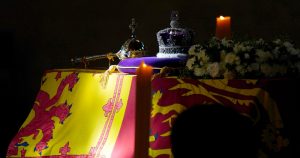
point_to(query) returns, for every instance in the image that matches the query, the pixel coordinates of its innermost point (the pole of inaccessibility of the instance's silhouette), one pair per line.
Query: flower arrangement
(244, 59)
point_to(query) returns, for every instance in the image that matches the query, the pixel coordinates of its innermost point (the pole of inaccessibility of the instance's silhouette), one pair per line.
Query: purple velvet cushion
(130, 65)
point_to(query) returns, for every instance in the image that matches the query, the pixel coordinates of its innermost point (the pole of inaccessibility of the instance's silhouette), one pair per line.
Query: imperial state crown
(174, 41)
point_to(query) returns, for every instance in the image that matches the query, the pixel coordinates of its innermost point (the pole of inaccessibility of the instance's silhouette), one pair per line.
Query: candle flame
(222, 17)
(144, 65)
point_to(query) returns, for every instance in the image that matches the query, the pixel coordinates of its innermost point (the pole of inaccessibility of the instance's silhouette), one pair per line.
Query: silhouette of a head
(213, 131)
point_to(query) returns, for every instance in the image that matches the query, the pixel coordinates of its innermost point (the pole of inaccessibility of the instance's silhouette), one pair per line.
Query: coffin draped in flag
(75, 116)
(249, 97)
(90, 114)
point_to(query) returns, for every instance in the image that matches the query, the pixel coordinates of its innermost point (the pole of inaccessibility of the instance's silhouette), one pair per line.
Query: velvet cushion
(130, 65)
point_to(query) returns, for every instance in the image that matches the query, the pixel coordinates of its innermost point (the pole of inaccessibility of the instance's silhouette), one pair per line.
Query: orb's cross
(133, 26)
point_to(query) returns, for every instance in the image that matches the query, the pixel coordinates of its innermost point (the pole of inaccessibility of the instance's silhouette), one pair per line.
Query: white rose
(199, 71)
(263, 56)
(192, 49)
(237, 47)
(247, 56)
(190, 63)
(226, 43)
(248, 48)
(287, 44)
(213, 69)
(230, 58)
(277, 41)
(237, 60)
(202, 56)
(293, 51)
(276, 52)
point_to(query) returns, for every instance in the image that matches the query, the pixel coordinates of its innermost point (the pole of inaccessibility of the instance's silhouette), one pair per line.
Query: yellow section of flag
(74, 116)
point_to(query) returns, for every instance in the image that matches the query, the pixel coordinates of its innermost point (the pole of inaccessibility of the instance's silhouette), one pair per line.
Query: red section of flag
(124, 146)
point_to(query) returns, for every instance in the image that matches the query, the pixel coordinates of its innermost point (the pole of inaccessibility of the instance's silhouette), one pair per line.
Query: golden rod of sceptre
(110, 56)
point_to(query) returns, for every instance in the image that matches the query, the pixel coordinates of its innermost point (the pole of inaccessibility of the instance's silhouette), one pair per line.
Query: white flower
(237, 60)
(192, 50)
(287, 44)
(293, 51)
(277, 41)
(239, 48)
(230, 58)
(246, 56)
(260, 41)
(276, 52)
(290, 48)
(202, 56)
(263, 56)
(190, 63)
(271, 59)
(213, 69)
(201, 63)
(200, 71)
(226, 43)
(248, 48)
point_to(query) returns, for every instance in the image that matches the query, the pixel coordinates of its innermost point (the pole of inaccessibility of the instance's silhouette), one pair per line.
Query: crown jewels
(133, 47)
(174, 41)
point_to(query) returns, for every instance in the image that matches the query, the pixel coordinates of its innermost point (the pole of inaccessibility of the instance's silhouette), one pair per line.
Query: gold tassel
(105, 76)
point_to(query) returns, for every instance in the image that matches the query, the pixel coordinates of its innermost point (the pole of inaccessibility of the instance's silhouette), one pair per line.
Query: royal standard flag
(74, 115)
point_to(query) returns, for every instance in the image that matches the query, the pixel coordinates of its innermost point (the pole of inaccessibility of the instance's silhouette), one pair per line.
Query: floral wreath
(244, 59)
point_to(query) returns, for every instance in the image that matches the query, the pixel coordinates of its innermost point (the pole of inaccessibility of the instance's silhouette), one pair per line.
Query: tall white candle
(143, 107)
(223, 27)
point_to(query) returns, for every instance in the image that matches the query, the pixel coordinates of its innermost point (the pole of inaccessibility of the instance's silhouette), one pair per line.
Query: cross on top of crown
(133, 26)
(174, 15)
(174, 19)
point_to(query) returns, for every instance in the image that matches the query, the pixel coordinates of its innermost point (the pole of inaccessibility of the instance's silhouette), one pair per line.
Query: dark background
(37, 35)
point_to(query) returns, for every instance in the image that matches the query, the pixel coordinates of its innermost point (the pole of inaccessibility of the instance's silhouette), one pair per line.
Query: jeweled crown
(174, 41)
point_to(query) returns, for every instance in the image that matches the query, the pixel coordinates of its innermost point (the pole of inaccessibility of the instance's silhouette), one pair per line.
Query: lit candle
(142, 110)
(223, 27)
